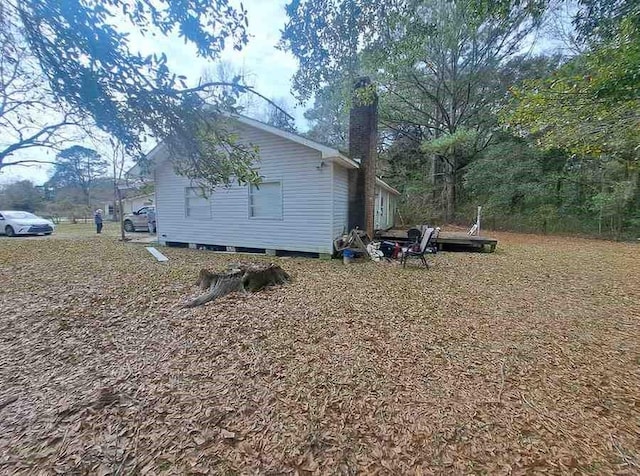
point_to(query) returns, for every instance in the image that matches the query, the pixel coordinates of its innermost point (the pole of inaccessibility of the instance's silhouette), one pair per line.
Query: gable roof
(328, 153)
(385, 186)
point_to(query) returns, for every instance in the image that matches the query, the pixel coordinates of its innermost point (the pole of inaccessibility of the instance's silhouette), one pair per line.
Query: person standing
(97, 219)
(151, 220)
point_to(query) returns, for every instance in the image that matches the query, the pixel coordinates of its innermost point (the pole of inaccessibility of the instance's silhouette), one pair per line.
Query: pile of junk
(357, 245)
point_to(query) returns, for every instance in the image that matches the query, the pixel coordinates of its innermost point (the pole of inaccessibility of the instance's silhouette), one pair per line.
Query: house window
(196, 205)
(265, 200)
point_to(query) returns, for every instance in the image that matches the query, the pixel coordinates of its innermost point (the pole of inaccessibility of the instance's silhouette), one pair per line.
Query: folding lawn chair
(427, 246)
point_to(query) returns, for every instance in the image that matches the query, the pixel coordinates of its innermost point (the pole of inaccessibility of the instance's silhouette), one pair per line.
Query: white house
(301, 205)
(129, 205)
(132, 204)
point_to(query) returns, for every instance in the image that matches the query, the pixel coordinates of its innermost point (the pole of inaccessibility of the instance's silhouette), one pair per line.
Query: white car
(14, 223)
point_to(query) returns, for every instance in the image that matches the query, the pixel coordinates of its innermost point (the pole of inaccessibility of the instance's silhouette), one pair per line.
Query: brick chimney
(363, 141)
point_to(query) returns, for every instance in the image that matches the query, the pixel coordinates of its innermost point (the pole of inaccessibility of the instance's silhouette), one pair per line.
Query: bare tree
(560, 30)
(118, 161)
(30, 116)
(226, 72)
(277, 114)
(449, 84)
(86, 64)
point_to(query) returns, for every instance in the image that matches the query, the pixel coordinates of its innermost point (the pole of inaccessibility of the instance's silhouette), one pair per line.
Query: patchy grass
(85, 230)
(82, 229)
(522, 361)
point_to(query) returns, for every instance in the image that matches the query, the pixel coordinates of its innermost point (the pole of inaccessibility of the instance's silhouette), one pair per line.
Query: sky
(270, 69)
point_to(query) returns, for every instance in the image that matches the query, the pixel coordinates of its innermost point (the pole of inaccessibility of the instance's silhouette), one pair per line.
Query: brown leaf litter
(523, 361)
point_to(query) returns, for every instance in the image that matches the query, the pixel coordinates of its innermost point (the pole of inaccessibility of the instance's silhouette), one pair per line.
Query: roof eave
(386, 186)
(152, 156)
(326, 152)
(340, 159)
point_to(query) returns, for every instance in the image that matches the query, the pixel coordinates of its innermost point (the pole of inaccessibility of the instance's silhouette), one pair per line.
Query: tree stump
(237, 278)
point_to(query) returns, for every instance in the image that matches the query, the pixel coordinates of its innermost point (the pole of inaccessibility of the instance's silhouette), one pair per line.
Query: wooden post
(478, 221)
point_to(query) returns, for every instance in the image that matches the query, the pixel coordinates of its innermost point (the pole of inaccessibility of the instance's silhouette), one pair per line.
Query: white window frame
(251, 188)
(187, 207)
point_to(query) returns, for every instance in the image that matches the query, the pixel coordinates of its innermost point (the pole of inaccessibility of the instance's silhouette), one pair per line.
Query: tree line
(79, 183)
(473, 111)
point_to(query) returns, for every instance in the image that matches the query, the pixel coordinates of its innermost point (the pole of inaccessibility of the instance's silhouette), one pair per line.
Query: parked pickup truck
(137, 221)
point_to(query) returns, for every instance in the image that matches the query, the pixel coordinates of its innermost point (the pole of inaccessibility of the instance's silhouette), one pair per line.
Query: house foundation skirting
(226, 249)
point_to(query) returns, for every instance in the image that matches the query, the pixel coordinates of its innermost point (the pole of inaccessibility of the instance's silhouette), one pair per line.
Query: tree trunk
(559, 192)
(121, 215)
(443, 173)
(237, 278)
(449, 194)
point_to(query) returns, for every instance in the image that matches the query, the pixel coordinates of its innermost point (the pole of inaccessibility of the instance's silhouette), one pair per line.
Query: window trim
(186, 205)
(249, 204)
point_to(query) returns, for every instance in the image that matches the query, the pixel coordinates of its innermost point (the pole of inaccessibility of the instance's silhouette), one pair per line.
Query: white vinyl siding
(340, 200)
(385, 208)
(196, 205)
(306, 212)
(265, 200)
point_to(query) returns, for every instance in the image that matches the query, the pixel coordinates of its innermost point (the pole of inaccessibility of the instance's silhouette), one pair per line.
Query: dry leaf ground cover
(519, 362)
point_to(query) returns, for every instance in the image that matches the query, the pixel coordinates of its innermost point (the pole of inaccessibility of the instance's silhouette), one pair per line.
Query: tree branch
(239, 87)
(26, 163)
(39, 139)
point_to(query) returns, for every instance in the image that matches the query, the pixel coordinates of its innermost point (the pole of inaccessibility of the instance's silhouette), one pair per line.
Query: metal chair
(427, 246)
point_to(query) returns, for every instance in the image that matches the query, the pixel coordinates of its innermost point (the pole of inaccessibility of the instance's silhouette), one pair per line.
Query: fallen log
(237, 278)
